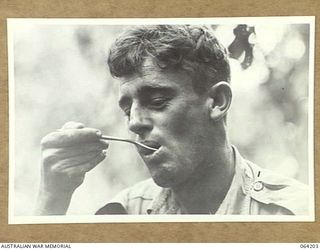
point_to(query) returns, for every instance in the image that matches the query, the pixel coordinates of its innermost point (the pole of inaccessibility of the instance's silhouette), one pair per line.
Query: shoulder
(146, 189)
(271, 191)
(135, 199)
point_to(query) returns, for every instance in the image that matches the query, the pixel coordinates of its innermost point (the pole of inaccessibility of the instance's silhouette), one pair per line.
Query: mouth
(152, 144)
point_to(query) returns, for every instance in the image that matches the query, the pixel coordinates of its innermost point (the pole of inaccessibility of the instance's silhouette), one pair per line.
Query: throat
(206, 194)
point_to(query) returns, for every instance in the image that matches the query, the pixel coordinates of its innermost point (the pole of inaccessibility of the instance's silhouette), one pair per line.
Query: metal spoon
(111, 138)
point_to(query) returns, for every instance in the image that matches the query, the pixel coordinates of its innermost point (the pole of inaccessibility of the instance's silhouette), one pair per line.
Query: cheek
(179, 125)
(186, 133)
(185, 122)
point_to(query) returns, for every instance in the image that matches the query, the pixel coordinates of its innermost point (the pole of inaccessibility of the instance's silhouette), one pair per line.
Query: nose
(139, 121)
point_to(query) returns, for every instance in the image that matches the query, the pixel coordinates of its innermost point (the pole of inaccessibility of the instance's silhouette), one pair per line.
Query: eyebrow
(151, 89)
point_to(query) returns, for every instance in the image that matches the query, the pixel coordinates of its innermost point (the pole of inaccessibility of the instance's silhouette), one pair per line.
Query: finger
(83, 168)
(52, 155)
(61, 165)
(73, 125)
(70, 137)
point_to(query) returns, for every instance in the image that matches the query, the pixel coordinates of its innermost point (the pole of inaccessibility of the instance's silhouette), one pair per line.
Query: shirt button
(258, 186)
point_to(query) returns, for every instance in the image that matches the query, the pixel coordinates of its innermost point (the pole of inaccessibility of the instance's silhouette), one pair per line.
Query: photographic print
(156, 120)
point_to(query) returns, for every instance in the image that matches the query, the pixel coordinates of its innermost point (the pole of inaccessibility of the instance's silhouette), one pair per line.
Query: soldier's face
(164, 112)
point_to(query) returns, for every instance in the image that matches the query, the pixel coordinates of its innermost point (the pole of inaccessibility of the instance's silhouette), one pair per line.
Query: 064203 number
(309, 245)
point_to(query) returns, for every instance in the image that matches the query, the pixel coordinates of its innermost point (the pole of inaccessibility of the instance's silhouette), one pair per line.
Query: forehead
(153, 77)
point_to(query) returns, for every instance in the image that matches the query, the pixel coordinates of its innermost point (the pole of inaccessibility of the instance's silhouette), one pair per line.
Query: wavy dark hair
(194, 49)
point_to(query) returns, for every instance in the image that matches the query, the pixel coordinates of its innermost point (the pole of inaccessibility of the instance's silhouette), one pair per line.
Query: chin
(167, 174)
(163, 179)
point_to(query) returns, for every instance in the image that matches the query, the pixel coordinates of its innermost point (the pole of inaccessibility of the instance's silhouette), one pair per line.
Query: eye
(158, 103)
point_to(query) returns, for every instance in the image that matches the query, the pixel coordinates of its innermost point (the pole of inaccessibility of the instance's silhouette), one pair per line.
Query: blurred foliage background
(60, 75)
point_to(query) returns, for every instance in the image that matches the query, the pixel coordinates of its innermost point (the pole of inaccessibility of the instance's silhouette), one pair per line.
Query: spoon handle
(112, 138)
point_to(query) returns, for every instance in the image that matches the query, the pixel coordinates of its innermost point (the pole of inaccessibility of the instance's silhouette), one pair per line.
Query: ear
(219, 100)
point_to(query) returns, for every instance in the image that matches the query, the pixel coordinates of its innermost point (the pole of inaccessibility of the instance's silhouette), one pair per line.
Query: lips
(152, 144)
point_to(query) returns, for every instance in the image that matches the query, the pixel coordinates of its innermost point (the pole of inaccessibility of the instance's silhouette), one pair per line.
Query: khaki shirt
(253, 191)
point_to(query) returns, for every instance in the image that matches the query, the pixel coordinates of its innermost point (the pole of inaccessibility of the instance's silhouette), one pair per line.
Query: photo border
(16, 25)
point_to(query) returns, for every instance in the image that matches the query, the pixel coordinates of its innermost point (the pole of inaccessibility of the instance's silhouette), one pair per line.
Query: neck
(205, 192)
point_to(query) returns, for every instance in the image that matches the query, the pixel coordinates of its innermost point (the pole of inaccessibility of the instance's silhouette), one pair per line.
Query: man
(175, 92)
